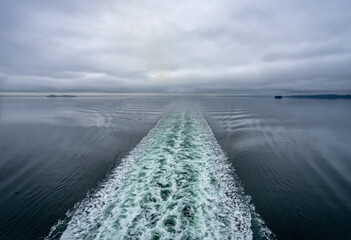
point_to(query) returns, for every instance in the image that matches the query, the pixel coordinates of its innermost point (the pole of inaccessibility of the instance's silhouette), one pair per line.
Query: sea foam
(175, 184)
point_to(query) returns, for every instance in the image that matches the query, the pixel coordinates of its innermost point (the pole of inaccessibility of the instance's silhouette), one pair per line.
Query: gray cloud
(175, 45)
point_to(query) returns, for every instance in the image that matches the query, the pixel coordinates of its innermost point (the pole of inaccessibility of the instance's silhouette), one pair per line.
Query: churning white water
(175, 184)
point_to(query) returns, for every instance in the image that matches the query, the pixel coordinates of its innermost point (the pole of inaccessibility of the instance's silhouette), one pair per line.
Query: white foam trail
(176, 184)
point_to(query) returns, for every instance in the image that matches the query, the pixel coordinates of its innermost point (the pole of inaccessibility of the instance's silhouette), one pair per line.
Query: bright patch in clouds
(175, 45)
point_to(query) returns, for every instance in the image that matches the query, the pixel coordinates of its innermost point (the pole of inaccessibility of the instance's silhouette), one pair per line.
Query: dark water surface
(292, 156)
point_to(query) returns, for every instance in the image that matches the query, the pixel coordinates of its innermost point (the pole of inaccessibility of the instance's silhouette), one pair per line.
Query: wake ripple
(175, 184)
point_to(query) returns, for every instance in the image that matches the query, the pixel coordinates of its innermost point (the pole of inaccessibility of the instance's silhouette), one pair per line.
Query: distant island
(54, 96)
(278, 97)
(323, 96)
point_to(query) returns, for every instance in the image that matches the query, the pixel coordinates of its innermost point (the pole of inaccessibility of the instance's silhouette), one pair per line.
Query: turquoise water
(175, 184)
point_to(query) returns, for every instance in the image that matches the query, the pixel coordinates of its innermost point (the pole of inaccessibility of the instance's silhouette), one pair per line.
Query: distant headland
(54, 96)
(323, 96)
(317, 96)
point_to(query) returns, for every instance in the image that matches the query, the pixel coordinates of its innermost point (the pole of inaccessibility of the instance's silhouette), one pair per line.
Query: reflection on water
(292, 156)
(53, 151)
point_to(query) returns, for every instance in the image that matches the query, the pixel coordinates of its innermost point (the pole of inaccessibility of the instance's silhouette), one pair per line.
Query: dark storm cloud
(174, 45)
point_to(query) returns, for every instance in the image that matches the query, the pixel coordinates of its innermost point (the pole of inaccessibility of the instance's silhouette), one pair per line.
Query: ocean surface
(175, 167)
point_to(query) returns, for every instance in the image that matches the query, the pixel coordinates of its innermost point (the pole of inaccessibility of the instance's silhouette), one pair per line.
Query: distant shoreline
(54, 96)
(63, 95)
(322, 96)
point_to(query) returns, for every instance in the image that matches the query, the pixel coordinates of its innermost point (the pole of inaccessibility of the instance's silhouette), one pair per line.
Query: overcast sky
(175, 46)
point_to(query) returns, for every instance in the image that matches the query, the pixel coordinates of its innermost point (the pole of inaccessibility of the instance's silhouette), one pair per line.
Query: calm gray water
(156, 167)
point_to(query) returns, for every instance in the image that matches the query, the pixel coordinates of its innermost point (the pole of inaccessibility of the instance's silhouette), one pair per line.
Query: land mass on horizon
(54, 96)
